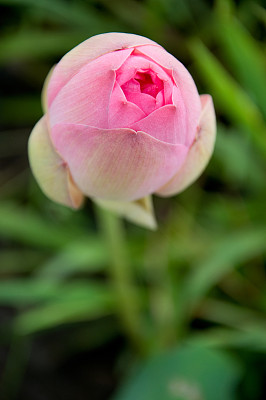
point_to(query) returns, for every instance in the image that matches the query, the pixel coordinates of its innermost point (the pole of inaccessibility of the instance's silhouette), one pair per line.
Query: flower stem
(122, 277)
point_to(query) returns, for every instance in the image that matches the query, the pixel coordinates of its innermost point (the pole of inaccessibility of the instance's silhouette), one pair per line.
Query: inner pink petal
(131, 86)
(149, 82)
(122, 113)
(144, 101)
(161, 124)
(136, 63)
(183, 80)
(144, 83)
(168, 89)
(160, 99)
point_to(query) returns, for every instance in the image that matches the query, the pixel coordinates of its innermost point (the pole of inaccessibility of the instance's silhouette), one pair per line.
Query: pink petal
(168, 91)
(183, 81)
(161, 124)
(121, 112)
(85, 98)
(87, 51)
(138, 62)
(180, 117)
(116, 164)
(50, 171)
(144, 101)
(199, 153)
(160, 99)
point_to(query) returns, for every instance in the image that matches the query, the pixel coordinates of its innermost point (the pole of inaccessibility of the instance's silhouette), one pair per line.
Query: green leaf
(254, 340)
(71, 13)
(250, 324)
(19, 260)
(87, 255)
(165, 8)
(73, 303)
(248, 62)
(259, 11)
(232, 315)
(24, 292)
(246, 169)
(21, 292)
(37, 44)
(185, 373)
(26, 226)
(235, 102)
(222, 258)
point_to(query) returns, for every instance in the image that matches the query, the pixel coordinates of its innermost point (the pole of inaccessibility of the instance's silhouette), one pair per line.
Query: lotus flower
(123, 120)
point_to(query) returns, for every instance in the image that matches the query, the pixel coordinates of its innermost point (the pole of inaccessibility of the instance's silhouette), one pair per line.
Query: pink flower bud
(123, 120)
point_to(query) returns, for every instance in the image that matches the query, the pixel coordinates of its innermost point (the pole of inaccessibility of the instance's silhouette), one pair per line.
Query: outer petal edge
(116, 164)
(199, 154)
(44, 89)
(87, 51)
(50, 170)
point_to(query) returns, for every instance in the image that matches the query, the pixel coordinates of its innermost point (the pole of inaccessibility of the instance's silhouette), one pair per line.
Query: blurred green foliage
(200, 279)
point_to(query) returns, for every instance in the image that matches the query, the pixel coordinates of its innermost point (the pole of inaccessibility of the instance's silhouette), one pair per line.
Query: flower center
(144, 84)
(149, 82)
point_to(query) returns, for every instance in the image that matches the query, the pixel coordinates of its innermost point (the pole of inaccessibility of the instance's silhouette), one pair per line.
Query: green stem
(121, 277)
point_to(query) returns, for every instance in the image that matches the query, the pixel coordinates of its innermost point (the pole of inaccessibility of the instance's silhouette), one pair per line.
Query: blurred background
(199, 328)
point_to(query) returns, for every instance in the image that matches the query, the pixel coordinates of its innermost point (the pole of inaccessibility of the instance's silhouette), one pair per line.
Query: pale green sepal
(44, 90)
(140, 211)
(50, 171)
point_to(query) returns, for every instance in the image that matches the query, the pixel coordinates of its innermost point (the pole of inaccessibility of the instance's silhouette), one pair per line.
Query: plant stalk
(121, 276)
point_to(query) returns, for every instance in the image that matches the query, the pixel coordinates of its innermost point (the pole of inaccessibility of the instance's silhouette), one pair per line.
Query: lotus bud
(123, 120)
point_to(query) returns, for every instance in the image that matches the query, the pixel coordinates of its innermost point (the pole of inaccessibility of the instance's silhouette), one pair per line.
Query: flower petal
(144, 101)
(140, 211)
(87, 51)
(44, 89)
(116, 164)
(180, 116)
(137, 62)
(199, 153)
(85, 98)
(50, 171)
(159, 99)
(161, 124)
(184, 82)
(122, 113)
